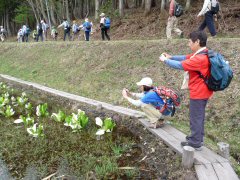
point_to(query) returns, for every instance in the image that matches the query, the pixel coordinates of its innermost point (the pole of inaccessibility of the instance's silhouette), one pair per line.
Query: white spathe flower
(108, 130)
(79, 111)
(66, 124)
(13, 98)
(100, 132)
(74, 117)
(33, 130)
(38, 110)
(17, 121)
(99, 122)
(6, 95)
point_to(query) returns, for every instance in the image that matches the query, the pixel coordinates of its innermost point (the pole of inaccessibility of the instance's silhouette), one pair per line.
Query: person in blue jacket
(87, 26)
(149, 101)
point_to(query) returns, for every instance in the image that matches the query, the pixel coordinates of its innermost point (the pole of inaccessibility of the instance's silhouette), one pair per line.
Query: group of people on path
(23, 34)
(152, 104)
(209, 10)
(41, 32)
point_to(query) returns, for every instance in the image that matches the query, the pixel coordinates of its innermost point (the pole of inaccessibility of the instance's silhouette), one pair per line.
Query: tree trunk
(188, 3)
(143, 3)
(30, 2)
(121, 10)
(114, 4)
(87, 8)
(148, 4)
(163, 5)
(43, 11)
(7, 24)
(126, 4)
(67, 11)
(96, 9)
(52, 10)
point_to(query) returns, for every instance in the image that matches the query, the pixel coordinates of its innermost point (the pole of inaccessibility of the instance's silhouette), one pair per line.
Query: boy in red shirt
(199, 92)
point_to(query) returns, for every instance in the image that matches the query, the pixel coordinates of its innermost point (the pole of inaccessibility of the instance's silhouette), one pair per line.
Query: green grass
(100, 70)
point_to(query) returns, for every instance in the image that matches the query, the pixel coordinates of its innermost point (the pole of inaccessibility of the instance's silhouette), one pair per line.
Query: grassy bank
(99, 70)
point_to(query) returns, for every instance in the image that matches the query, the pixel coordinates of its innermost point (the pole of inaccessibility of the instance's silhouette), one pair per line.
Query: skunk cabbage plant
(3, 87)
(21, 101)
(36, 131)
(41, 110)
(59, 117)
(106, 126)
(28, 121)
(77, 121)
(9, 111)
(3, 101)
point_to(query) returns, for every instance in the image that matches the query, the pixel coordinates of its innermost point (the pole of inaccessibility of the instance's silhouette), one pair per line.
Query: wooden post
(223, 149)
(187, 157)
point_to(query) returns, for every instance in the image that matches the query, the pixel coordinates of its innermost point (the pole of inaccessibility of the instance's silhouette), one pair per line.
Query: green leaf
(59, 117)
(108, 124)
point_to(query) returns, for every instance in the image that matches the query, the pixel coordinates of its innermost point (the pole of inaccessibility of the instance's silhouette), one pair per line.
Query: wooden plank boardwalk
(208, 164)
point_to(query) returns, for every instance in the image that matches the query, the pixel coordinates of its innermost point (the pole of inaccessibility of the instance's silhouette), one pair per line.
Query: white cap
(102, 14)
(145, 82)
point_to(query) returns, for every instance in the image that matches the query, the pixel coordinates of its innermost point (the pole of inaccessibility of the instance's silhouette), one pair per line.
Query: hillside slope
(134, 25)
(100, 70)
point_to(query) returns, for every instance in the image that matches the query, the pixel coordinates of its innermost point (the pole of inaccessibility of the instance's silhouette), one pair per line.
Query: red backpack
(168, 94)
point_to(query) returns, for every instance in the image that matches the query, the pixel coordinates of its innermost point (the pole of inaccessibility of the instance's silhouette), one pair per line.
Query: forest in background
(15, 13)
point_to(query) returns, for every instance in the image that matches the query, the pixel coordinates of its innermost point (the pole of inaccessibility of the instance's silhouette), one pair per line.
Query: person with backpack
(67, 27)
(34, 35)
(175, 11)
(105, 26)
(75, 30)
(195, 64)
(26, 32)
(20, 35)
(87, 26)
(3, 33)
(152, 101)
(40, 30)
(54, 33)
(209, 10)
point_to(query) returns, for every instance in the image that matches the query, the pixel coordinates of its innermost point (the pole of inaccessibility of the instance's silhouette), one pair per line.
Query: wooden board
(174, 132)
(211, 156)
(224, 171)
(205, 172)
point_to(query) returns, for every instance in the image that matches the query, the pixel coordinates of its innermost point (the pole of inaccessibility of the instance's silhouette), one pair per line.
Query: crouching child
(155, 102)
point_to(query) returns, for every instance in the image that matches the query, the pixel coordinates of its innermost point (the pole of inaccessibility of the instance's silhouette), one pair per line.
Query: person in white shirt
(104, 30)
(208, 20)
(20, 35)
(67, 28)
(2, 33)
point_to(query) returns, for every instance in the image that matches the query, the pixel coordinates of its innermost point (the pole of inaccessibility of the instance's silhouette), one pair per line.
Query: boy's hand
(162, 58)
(168, 56)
